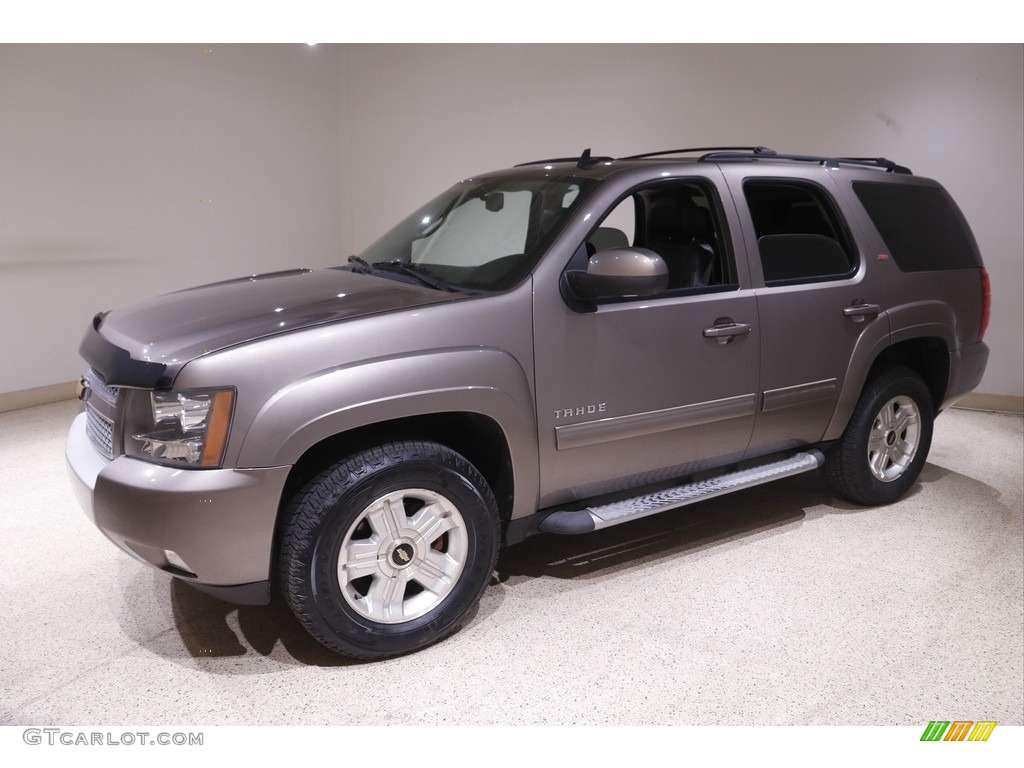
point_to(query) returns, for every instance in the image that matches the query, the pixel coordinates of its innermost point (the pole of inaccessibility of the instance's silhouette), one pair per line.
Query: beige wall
(106, 153)
(309, 153)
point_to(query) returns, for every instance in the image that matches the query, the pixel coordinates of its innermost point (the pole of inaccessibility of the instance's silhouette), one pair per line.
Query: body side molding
(650, 422)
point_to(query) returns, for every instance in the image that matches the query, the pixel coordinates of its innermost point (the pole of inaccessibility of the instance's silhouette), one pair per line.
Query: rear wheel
(886, 443)
(390, 549)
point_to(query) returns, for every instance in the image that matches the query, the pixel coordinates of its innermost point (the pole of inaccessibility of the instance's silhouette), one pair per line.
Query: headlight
(180, 427)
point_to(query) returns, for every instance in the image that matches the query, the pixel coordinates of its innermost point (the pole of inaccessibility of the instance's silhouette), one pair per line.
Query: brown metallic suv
(558, 347)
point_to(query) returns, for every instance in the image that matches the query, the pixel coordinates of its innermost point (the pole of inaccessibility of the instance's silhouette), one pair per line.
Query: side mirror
(618, 273)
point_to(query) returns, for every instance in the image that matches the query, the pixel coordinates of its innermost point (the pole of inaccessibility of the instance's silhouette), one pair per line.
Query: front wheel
(389, 550)
(886, 443)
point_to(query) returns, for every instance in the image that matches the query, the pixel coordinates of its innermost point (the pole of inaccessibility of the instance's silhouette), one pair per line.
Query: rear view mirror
(494, 201)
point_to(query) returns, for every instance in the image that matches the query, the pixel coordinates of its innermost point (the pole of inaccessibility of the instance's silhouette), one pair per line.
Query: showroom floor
(777, 605)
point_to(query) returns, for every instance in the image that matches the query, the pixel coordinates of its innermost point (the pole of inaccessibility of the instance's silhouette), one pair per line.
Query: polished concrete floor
(776, 605)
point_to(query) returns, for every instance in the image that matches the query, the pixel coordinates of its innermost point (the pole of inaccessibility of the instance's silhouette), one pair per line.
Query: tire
(886, 443)
(388, 551)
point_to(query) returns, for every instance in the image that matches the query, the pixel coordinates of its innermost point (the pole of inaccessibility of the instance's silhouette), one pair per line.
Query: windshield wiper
(422, 274)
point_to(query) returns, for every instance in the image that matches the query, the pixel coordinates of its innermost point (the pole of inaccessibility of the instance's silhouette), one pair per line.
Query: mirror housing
(618, 273)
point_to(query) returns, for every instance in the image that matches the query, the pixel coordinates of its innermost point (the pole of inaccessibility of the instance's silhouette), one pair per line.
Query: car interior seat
(680, 232)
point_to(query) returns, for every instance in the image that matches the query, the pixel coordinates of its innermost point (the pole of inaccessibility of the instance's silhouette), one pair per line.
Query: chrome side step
(607, 515)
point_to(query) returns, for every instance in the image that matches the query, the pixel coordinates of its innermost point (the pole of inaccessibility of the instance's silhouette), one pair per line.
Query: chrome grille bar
(100, 411)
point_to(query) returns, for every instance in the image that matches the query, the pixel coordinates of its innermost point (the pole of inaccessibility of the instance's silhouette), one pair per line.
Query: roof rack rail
(757, 151)
(734, 154)
(828, 162)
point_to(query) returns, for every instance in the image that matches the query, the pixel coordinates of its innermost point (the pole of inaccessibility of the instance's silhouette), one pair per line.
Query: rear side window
(800, 236)
(921, 226)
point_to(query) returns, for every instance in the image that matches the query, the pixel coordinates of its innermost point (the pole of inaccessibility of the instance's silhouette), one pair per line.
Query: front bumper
(213, 528)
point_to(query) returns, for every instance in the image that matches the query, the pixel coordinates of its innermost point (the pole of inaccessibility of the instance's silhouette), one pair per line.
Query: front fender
(479, 380)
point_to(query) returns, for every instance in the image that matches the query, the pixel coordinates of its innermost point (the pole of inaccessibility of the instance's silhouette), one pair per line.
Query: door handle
(859, 311)
(723, 331)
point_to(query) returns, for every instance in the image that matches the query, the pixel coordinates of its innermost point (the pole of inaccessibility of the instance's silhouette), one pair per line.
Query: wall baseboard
(26, 398)
(54, 393)
(978, 401)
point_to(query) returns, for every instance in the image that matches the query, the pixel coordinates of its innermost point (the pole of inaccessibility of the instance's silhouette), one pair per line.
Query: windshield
(479, 235)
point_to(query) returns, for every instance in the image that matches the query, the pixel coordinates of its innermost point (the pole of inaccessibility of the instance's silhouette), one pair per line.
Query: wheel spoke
(887, 416)
(878, 461)
(436, 572)
(431, 521)
(387, 517)
(361, 559)
(903, 452)
(876, 441)
(386, 597)
(903, 418)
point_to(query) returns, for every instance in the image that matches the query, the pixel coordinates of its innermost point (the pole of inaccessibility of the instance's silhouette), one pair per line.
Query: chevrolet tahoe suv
(559, 347)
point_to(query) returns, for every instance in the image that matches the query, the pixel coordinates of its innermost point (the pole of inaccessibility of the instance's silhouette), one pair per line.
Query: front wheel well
(478, 438)
(927, 357)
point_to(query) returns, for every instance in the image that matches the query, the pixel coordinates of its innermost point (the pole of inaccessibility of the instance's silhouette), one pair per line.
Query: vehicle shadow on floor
(727, 521)
(208, 628)
(724, 521)
(204, 625)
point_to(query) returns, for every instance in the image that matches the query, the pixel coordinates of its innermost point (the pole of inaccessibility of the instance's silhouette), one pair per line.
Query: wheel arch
(927, 356)
(477, 437)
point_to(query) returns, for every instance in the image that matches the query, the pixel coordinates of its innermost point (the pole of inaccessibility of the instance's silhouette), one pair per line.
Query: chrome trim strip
(651, 422)
(799, 394)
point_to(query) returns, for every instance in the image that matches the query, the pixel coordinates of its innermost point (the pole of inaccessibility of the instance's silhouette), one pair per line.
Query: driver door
(644, 390)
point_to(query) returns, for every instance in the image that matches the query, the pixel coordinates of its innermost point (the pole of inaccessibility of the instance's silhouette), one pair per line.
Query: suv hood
(154, 338)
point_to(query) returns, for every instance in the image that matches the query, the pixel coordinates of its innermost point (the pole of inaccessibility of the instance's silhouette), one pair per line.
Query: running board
(607, 515)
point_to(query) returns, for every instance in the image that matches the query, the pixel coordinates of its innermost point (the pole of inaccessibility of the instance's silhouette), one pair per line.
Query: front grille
(100, 387)
(100, 430)
(100, 412)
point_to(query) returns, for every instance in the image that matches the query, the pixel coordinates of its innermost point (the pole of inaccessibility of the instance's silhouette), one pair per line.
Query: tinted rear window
(800, 236)
(921, 226)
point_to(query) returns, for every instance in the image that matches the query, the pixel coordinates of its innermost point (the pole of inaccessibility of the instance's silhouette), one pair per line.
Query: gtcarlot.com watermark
(70, 737)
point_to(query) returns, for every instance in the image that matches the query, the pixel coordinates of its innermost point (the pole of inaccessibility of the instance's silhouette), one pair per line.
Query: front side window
(679, 221)
(800, 236)
(479, 235)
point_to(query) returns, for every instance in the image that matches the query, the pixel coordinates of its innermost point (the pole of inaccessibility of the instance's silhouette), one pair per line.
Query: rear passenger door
(819, 305)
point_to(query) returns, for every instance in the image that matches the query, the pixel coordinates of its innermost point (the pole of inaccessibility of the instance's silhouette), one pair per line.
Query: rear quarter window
(921, 226)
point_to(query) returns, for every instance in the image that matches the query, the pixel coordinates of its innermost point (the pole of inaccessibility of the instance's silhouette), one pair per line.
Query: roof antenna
(585, 161)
